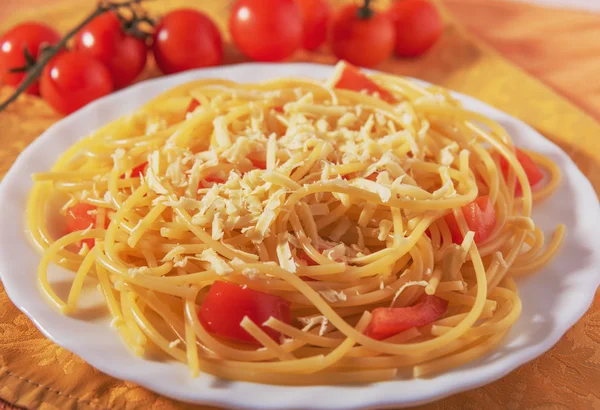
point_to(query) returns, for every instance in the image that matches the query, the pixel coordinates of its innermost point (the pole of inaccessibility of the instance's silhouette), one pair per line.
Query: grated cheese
(333, 296)
(406, 285)
(220, 266)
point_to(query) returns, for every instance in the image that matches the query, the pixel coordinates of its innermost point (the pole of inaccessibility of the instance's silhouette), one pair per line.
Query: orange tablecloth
(561, 47)
(558, 47)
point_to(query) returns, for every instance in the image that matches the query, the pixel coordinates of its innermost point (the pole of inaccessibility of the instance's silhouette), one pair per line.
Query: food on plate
(297, 231)
(418, 26)
(315, 17)
(72, 79)
(185, 39)
(266, 30)
(31, 36)
(122, 53)
(361, 35)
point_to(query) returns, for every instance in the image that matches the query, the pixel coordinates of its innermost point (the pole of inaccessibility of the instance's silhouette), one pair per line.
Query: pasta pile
(340, 203)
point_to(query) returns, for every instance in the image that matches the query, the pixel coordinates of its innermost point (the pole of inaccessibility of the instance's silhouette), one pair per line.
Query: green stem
(365, 12)
(50, 52)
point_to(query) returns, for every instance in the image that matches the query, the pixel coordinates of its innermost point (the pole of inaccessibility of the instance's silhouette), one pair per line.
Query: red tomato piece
(300, 254)
(362, 36)
(259, 164)
(185, 39)
(215, 179)
(193, 105)
(226, 304)
(351, 78)
(72, 80)
(31, 36)
(137, 171)
(304, 256)
(418, 26)
(534, 174)
(266, 30)
(80, 219)
(315, 15)
(480, 216)
(211, 178)
(104, 39)
(387, 322)
(373, 176)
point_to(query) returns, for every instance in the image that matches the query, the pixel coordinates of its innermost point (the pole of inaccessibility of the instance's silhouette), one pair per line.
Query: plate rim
(16, 295)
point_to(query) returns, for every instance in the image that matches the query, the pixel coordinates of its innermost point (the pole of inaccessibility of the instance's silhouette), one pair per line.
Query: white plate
(553, 300)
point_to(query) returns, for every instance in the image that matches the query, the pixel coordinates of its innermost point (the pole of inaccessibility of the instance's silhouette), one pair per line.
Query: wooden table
(560, 48)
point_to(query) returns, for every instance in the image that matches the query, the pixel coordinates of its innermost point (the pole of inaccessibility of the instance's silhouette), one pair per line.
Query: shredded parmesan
(406, 285)
(332, 296)
(220, 266)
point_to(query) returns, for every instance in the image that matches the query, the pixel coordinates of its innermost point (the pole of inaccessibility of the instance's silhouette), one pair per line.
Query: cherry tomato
(418, 26)
(480, 216)
(266, 30)
(387, 322)
(362, 36)
(226, 304)
(534, 175)
(123, 55)
(315, 15)
(185, 39)
(351, 78)
(79, 218)
(73, 79)
(31, 35)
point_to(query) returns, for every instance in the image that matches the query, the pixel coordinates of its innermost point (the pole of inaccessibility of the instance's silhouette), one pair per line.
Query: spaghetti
(343, 229)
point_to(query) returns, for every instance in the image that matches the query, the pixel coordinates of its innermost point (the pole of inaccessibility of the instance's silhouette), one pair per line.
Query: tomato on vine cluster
(110, 51)
(272, 30)
(110, 47)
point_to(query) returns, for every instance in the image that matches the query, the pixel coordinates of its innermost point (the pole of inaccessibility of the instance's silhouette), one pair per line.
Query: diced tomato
(387, 322)
(211, 178)
(373, 176)
(226, 304)
(137, 171)
(78, 219)
(192, 106)
(279, 109)
(259, 164)
(309, 262)
(215, 179)
(304, 256)
(480, 216)
(534, 174)
(352, 78)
